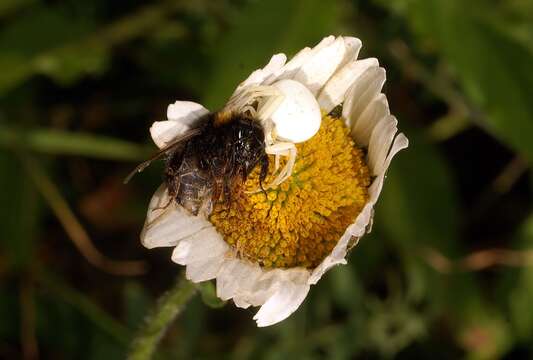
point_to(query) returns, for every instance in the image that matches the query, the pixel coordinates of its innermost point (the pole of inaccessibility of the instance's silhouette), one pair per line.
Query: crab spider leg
(282, 149)
(250, 109)
(264, 113)
(287, 170)
(277, 158)
(267, 108)
(246, 96)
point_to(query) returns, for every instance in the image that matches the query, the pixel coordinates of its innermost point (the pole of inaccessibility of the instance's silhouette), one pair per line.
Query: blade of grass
(10, 6)
(84, 305)
(58, 142)
(57, 61)
(28, 338)
(73, 227)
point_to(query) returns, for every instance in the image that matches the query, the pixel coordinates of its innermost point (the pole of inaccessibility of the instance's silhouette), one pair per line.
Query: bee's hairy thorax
(207, 167)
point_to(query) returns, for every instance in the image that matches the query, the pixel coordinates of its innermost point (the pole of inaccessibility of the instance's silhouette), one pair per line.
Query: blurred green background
(447, 270)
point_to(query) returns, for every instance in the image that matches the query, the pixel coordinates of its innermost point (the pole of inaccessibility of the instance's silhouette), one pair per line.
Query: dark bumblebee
(205, 164)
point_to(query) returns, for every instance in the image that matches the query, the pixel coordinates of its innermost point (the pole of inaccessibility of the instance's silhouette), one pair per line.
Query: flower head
(329, 137)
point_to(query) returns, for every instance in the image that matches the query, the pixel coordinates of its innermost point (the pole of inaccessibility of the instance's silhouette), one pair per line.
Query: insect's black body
(206, 167)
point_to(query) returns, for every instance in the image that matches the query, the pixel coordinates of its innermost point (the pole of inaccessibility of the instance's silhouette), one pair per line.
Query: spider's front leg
(244, 99)
(282, 149)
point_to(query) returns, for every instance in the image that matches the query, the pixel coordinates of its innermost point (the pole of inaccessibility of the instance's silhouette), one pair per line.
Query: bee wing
(171, 146)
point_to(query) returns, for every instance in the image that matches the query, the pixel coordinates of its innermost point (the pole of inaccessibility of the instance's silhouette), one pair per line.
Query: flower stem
(167, 309)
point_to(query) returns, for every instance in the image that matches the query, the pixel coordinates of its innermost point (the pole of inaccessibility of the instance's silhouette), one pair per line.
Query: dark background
(446, 272)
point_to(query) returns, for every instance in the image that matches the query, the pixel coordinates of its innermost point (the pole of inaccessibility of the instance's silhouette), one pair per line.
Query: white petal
(233, 274)
(335, 258)
(257, 289)
(182, 115)
(353, 46)
(338, 254)
(163, 132)
(317, 70)
(400, 142)
(374, 112)
(248, 284)
(327, 41)
(203, 253)
(259, 76)
(185, 112)
(359, 97)
(204, 270)
(291, 67)
(302, 57)
(204, 244)
(166, 227)
(380, 143)
(157, 203)
(284, 302)
(334, 92)
(239, 302)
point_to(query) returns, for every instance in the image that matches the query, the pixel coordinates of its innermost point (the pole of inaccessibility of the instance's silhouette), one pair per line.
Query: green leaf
(500, 84)
(483, 331)
(49, 23)
(10, 6)
(24, 53)
(19, 211)
(57, 289)
(102, 347)
(513, 18)
(253, 38)
(346, 288)
(393, 325)
(418, 211)
(418, 206)
(68, 47)
(59, 142)
(9, 313)
(136, 302)
(68, 64)
(492, 64)
(521, 295)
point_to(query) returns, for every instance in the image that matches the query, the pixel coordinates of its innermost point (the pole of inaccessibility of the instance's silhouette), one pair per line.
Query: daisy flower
(330, 138)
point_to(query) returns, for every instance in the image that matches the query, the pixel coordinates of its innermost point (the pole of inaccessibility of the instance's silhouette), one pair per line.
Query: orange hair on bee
(222, 117)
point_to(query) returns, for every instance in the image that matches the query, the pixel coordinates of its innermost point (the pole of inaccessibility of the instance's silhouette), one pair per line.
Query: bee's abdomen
(194, 190)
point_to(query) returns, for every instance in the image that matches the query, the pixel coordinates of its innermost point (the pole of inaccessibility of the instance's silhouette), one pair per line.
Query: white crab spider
(289, 114)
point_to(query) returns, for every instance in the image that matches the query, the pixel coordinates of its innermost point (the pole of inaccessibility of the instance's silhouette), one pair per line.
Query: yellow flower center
(299, 222)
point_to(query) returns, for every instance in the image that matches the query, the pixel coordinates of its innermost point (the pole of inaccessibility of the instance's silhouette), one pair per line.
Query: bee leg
(264, 168)
(217, 191)
(263, 174)
(227, 193)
